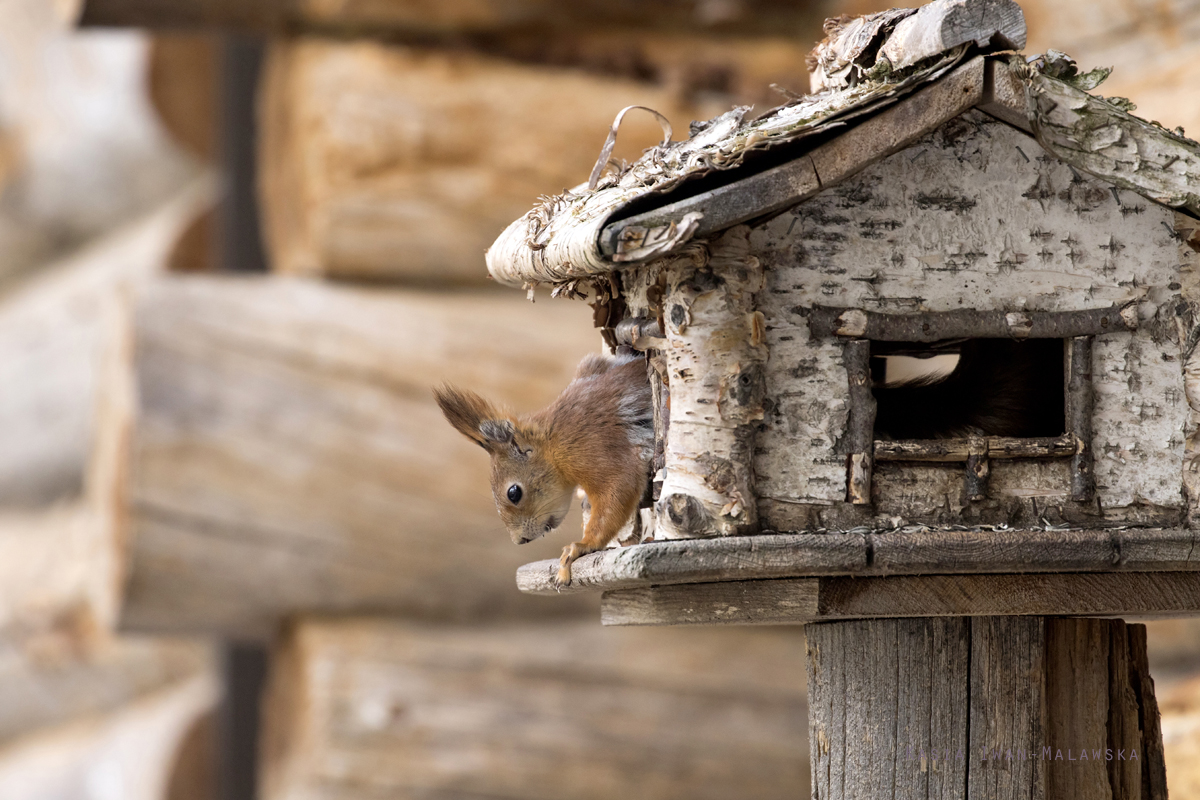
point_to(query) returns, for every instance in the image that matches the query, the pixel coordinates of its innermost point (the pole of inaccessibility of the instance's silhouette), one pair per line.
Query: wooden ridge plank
(872, 140)
(805, 600)
(793, 555)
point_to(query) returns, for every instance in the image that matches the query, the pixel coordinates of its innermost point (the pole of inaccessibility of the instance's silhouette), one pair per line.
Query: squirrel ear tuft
(467, 412)
(497, 431)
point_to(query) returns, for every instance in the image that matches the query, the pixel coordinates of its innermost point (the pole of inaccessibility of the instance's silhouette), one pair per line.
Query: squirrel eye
(514, 494)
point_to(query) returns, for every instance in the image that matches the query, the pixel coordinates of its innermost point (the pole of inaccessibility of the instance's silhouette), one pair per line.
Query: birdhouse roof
(879, 83)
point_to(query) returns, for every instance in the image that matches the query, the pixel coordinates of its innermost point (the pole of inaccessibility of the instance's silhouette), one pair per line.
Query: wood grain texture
(984, 707)
(888, 708)
(1077, 682)
(803, 600)
(1007, 698)
(54, 330)
(286, 452)
(943, 24)
(362, 708)
(899, 553)
(130, 749)
(404, 163)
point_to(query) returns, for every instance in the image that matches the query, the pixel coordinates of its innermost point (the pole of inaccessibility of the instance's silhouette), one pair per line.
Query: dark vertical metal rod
(240, 236)
(239, 248)
(244, 673)
(1080, 402)
(860, 462)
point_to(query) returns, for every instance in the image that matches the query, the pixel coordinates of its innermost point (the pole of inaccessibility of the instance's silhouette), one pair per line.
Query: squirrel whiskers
(597, 436)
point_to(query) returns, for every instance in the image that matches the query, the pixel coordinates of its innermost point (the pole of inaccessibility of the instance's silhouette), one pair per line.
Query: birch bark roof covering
(920, 66)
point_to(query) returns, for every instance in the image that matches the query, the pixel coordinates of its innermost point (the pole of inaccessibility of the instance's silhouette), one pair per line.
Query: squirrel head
(531, 495)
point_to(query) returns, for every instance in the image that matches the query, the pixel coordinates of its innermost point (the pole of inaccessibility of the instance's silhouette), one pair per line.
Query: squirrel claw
(562, 578)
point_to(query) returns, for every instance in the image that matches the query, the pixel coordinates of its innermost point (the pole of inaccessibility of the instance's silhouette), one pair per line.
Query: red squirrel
(597, 436)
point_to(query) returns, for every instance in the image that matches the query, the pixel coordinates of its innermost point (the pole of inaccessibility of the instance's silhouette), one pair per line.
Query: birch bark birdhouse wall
(937, 195)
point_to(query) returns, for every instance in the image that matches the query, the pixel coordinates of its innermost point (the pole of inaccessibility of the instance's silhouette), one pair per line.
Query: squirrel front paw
(569, 554)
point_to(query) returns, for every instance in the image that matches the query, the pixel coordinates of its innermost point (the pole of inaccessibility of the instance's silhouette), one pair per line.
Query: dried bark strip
(769, 556)
(824, 321)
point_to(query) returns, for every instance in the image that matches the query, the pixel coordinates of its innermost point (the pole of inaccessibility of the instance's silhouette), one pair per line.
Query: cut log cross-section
(285, 453)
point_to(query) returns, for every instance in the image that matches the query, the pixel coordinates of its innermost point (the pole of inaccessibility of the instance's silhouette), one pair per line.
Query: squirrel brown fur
(597, 436)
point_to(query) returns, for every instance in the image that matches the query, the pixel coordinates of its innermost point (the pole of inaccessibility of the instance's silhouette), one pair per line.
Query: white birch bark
(715, 364)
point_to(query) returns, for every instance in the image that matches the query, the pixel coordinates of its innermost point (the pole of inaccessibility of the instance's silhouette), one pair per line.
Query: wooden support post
(715, 361)
(987, 707)
(861, 433)
(1079, 417)
(976, 480)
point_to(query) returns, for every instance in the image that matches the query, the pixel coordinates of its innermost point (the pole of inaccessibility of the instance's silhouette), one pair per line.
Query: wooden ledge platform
(924, 553)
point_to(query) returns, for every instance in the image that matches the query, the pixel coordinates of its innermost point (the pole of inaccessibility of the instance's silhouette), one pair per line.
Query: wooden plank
(1007, 705)
(826, 321)
(946, 450)
(285, 452)
(768, 556)
(788, 601)
(804, 600)
(1004, 96)
(497, 711)
(779, 187)
(888, 708)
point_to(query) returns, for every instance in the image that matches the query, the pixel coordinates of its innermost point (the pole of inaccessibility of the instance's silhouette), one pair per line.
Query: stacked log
(285, 454)
(113, 727)
(386, 162)
(372, 707)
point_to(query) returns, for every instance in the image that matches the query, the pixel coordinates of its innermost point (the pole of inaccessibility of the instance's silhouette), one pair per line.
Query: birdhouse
(948, 541)
(936, 195)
